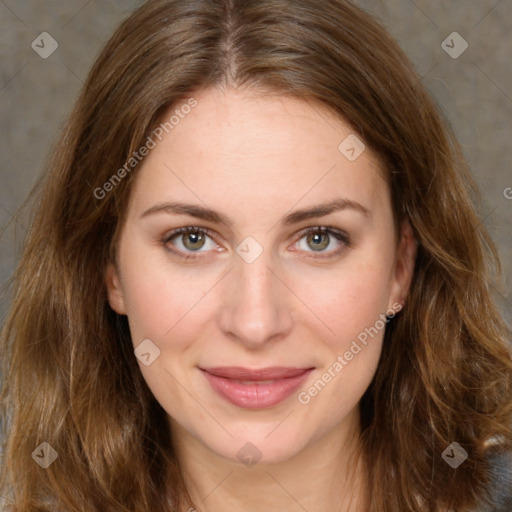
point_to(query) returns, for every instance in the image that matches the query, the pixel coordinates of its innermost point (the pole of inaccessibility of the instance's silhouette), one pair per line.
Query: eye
(322, 237)
(189, 239)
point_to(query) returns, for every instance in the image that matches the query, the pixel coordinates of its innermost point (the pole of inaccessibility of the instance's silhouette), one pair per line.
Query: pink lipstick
(255, 389)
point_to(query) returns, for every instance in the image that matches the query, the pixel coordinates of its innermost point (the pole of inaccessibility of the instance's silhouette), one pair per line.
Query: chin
(256, 445)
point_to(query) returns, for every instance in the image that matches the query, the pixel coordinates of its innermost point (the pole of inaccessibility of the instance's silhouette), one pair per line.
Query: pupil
(317, 239)
(192, 239)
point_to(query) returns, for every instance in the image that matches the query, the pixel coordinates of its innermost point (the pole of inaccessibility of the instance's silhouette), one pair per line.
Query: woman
(256, 280)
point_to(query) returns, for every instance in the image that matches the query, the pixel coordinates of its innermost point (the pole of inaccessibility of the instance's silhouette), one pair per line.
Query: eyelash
(339, 235)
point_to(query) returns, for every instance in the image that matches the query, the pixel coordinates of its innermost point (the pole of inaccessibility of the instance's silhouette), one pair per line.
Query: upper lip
(270, 373)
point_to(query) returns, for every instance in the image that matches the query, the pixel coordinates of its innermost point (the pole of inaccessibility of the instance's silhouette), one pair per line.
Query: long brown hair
(70, 376)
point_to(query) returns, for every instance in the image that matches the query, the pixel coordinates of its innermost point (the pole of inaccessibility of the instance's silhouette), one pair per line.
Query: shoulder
(499, 496)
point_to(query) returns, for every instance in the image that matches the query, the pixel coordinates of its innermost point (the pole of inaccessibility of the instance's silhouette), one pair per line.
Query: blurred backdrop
(462, 50)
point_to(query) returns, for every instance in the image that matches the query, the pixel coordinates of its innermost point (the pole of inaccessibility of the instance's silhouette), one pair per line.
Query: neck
(326, 476)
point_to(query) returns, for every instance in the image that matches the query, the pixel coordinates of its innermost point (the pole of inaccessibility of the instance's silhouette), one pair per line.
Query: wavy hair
(70, 376)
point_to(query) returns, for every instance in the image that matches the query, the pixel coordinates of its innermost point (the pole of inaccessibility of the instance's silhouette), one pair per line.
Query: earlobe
(405, 260)
(114, 290)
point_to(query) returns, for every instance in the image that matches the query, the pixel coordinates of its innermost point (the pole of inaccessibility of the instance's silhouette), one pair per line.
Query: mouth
(255, 389)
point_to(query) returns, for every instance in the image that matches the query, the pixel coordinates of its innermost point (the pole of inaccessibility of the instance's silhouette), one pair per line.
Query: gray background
(474, 92)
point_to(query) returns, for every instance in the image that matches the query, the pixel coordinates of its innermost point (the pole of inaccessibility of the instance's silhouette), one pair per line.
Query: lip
(250, 389)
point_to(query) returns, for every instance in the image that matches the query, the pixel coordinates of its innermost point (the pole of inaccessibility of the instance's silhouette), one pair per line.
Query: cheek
(348, 300)
(157, 295)
(354, 309)
(352, 303)
(149, 307)
(164, 305)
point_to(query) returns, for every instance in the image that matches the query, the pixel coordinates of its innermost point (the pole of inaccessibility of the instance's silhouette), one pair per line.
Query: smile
(255, 389)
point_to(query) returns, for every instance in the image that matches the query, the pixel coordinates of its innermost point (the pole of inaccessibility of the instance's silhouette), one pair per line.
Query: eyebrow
(295, 217)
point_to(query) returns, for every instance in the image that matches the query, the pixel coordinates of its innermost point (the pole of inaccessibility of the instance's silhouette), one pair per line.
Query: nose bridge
(255, 279)
(255, 310)
(253, 271)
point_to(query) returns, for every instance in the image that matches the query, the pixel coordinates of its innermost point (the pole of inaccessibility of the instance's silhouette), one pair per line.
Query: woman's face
(254, 290)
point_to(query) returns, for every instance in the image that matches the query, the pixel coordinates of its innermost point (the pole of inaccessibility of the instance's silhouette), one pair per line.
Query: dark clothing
(500, 494)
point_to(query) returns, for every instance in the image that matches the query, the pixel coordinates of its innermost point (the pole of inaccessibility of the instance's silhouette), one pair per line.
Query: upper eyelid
(186, 229)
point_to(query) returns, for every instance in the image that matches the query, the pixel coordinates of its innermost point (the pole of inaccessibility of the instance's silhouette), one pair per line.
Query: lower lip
(256, 395)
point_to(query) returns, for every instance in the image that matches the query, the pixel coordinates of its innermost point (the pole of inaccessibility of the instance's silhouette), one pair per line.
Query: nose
(256, 304)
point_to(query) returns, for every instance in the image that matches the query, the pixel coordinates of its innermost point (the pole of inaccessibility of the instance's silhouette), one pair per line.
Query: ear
(114, 290)
(404, 265)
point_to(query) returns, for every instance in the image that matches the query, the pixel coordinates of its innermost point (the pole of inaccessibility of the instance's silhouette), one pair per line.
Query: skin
(255, 158)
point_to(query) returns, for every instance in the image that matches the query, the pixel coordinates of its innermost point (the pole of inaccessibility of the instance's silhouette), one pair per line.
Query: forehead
(243, 147)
